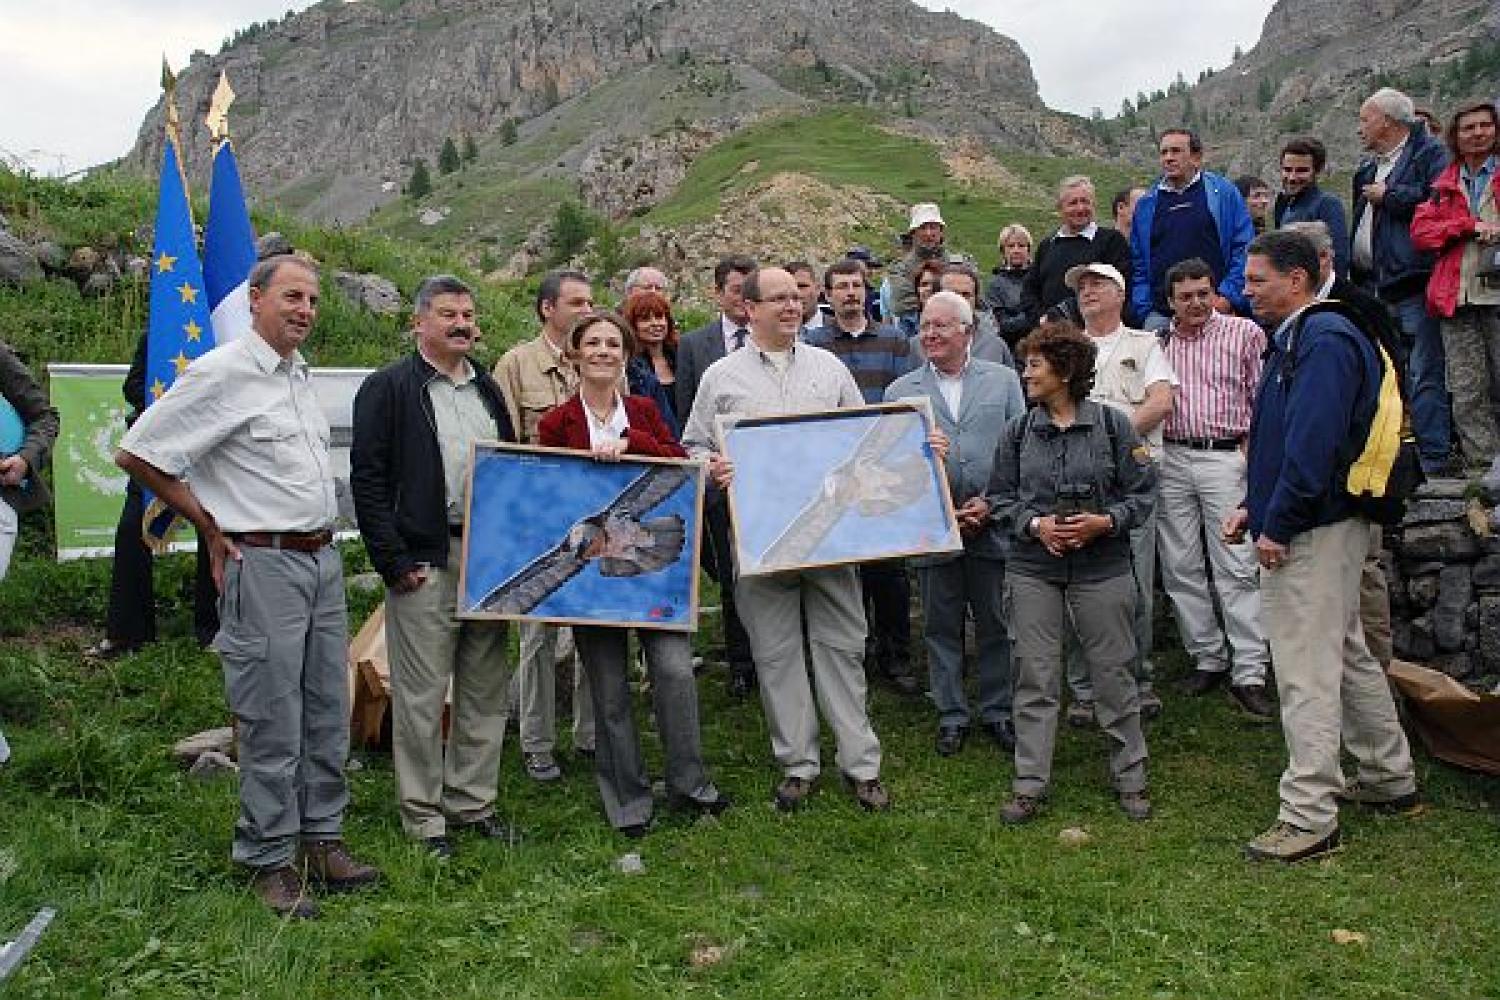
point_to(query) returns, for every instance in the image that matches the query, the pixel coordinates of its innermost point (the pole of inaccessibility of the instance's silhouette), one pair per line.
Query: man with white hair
(647, 279)
(971, 401)
(1078, 240)
(1388, 187)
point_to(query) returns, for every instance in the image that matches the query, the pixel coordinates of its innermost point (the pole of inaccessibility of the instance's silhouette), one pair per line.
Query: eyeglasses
(940, 326)
(781, 300)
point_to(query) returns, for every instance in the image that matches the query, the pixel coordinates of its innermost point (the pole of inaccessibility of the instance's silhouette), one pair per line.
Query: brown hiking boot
(791, 792)
(282, 890)
(330, 864)
(1020, 809)
(871, 794)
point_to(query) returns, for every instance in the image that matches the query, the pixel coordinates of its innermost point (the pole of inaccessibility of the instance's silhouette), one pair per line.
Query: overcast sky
(78, 75)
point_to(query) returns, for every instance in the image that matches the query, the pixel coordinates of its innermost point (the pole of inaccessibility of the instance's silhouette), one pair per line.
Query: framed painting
(553, 535)
(836, 487)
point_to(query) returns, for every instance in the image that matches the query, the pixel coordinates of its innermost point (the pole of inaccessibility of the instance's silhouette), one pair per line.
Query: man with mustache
(414, 422)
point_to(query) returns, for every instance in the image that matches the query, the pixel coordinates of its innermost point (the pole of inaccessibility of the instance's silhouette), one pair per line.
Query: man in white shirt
(244, 420)
(1132, 374)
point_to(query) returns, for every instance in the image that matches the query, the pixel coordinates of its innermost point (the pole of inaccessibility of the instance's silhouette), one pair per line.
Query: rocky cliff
(335, 102)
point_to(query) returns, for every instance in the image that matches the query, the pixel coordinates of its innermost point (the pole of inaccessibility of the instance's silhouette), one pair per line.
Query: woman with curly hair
(1071, 478)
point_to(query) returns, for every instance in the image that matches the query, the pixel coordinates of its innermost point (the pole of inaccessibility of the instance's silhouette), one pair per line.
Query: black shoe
(1200, 682)
(584, 753)
(490, 827)
(950, 740)
(108, 649)
(791, 792)
(703, 807)
(1003, 732)
(1252, 700)
(439, 847)
(741, 679)
(903, 680)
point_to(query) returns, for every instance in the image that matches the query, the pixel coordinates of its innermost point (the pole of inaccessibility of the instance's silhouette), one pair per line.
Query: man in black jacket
(1078, 240)
(414, 422)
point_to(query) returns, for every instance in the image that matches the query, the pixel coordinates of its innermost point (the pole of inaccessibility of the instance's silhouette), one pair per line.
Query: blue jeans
(1426, 382)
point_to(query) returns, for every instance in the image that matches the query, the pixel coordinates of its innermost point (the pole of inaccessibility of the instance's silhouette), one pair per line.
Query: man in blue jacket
(1388, 186)
(1189, 212)
(1313, 410)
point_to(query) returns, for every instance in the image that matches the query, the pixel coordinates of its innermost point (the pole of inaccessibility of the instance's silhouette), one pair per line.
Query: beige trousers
(1330, 686)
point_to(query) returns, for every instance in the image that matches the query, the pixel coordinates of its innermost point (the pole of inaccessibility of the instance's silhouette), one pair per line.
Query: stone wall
(1444, 573)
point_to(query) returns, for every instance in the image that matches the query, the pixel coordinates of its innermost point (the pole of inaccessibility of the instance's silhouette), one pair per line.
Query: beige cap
(923, 213)
(1102, 270)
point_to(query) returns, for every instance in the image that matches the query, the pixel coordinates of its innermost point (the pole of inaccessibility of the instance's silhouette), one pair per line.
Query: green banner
(89, 488)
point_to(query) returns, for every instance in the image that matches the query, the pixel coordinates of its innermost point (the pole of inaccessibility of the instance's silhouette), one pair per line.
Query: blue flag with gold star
(178, 329)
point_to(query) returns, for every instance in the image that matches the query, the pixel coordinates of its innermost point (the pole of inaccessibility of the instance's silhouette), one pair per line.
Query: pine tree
(448, 160)
(420, 185)
(508, 132)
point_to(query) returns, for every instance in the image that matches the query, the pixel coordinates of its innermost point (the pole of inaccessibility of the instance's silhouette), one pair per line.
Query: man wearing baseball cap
(1131, 373)
(927, 231)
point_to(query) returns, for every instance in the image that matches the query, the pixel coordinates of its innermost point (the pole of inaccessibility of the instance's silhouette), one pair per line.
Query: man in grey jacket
(971, 401)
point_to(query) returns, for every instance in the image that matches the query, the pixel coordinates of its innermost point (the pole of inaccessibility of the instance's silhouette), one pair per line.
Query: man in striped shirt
(1217, 359)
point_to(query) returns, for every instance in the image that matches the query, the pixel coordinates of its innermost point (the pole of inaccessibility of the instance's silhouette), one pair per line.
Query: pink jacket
(1443, 223)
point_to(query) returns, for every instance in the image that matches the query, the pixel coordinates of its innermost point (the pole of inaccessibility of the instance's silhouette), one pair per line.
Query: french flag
(228, 249)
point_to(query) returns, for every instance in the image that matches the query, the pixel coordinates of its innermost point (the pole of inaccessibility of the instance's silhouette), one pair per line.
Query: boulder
(1433, 511)
(272, 244)
(217, 740)
(52, 257)
(18, 264)
(1487, 572)
(370, 291)
(1455, 590)
(98, 285)
(82, 262)
(1423, 591)
(1489, 632)
(1444, 542)
(1420, 645)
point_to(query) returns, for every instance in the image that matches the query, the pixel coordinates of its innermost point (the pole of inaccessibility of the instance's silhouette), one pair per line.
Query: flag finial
(218, 109)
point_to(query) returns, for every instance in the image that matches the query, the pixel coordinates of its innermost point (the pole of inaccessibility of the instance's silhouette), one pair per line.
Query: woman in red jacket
(1461, 221)
(601, 421)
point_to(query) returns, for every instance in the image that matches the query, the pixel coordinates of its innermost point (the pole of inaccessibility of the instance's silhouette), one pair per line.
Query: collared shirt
(729, 327)
(1088, 232)
(1364, 235)
(1126, 365)
(1477, 182)
(460, 419)
(748, 383)
(611, 429)
(1218, 369)
(245, 422)
(534, 377)
(951, 386)
(1327, 287)
(1165, 185)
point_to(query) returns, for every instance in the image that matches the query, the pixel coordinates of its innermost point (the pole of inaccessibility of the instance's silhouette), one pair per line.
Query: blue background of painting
(524, 503)
(787, 463)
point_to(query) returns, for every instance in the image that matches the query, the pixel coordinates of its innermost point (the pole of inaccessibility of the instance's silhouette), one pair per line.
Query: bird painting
(619, 539)
(870, 481)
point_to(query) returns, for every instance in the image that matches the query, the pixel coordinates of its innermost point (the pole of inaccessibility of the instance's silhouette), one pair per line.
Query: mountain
(1316, 62)
(337, 102)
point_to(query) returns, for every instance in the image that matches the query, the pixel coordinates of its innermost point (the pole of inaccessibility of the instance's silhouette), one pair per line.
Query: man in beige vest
(1131, 373)
(535, 376)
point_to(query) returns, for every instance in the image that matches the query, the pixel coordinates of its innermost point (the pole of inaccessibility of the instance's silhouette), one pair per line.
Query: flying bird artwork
(872, 480)
(620, 539)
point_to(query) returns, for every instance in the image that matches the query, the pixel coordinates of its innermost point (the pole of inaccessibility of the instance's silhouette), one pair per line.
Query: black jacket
(1400, 270)
(396, 467)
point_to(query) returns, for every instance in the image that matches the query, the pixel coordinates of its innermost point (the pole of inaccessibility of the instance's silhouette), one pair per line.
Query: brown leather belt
(297, 541)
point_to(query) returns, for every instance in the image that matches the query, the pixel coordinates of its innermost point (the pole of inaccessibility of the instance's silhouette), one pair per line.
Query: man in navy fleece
(1313, 410)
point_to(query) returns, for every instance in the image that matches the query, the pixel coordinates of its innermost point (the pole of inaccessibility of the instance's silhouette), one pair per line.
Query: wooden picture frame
(538, 544)
(835, 487)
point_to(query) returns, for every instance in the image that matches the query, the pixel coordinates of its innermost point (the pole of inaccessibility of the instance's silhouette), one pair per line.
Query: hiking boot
(1150, 703)
(1409, 804)
(792, 792)
(1288, 843)
(1253, 700)
(1081, 714)
(871, 795)
(541, 766)
(1020, 809)
(330, 864)
(282, 890)
(489, 827)
(1201, 682)
(1136, 805)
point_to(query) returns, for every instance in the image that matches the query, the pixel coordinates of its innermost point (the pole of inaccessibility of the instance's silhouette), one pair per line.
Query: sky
(86, 71)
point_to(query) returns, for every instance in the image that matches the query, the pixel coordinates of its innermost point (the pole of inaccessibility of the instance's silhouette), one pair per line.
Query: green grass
(935, 899)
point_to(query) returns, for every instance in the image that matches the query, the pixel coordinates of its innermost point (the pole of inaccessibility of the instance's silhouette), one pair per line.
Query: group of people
(1121, 398)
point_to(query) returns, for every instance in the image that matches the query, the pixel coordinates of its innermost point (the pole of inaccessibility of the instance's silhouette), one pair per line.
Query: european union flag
(228, 249)
(178, 329)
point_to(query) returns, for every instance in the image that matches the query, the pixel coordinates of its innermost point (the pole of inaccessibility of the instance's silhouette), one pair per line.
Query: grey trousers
(1331, 688)
(1471, 345)
(774, 608)
(429, 650)
(536, 693)
(1375, 601)
(624, 785)
(949, 590)
(1198, 490)
(1101, 618)
(283, 641)
(1143, 560)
